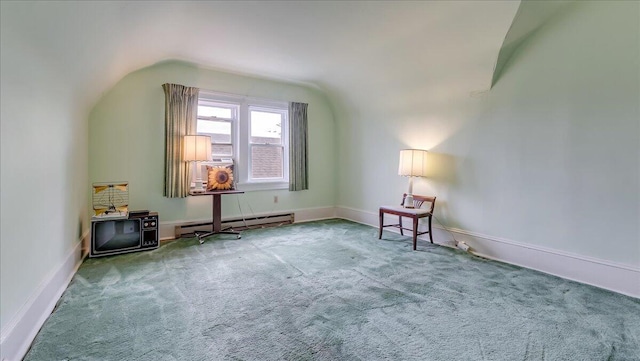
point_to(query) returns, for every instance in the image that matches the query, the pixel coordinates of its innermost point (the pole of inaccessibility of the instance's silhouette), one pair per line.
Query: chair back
(419, 200)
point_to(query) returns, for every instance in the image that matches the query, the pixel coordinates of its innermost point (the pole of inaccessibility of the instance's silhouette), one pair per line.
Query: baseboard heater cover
(271, 220)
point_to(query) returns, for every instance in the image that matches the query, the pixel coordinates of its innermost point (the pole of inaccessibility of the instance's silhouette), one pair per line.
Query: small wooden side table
(217, 214)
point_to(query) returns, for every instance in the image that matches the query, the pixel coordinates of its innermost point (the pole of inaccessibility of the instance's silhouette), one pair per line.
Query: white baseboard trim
(620, 278)
(359, 216)
(314, 214)
(167, 229)
(16, 336)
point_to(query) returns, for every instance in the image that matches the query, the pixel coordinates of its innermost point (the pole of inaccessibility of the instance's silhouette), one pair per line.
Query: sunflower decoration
(220, 178)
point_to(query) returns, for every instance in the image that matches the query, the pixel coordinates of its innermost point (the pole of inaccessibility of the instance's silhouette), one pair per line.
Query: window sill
(262, 186)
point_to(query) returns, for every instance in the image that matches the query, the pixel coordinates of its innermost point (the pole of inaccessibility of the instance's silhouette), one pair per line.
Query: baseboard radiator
(238, 224)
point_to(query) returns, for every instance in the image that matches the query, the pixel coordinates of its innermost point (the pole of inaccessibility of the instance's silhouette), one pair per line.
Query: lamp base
(199, 187)
(408, 201)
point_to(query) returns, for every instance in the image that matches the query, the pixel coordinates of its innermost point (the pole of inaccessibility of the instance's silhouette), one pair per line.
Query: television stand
(216, 214)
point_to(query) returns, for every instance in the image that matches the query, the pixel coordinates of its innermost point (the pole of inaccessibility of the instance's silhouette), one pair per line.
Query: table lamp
(197, 148)
(413, 163)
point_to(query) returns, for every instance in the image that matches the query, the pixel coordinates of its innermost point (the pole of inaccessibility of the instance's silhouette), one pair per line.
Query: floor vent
(238, 224)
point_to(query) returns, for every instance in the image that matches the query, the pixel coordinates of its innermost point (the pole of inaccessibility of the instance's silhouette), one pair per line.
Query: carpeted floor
(329, 290)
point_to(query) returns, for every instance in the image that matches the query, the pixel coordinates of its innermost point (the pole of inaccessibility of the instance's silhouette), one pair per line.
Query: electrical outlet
(275, 199)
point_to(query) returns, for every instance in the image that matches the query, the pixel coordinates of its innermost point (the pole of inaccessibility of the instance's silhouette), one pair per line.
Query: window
(266, 143)
(252, 132)
(216, 120)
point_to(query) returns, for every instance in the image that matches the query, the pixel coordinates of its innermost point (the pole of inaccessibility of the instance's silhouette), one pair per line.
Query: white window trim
(232, 121)
(240, 139)
(284, 143)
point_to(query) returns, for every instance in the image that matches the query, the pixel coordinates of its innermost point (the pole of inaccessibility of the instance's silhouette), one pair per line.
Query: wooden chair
(414, 213)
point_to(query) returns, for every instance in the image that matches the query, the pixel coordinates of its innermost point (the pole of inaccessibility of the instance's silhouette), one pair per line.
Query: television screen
(116, 235)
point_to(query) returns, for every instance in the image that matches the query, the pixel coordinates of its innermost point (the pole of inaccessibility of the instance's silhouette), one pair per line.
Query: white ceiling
(357, 51)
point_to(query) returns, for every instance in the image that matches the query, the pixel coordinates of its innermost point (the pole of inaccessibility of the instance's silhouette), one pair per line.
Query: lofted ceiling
(359, 52)
(531, 16)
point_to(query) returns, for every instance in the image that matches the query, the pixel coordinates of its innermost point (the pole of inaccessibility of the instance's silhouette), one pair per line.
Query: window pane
(266, 127)
(222, 150)
(211, 111)
(219, 131)
(266, 161)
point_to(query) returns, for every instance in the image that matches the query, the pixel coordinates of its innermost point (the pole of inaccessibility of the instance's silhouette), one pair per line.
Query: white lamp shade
(413, 163)
(197, 148)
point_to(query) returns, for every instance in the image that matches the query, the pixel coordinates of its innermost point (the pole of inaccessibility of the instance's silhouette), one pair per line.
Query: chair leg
(415, 232)
(400, 223)
(381, 220)
(430, 234)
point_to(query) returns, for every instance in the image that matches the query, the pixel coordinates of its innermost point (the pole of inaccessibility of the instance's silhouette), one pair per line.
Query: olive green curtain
(180, 114)
(298, 170)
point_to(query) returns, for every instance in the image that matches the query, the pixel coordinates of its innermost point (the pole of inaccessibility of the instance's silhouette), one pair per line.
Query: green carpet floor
(329, 290)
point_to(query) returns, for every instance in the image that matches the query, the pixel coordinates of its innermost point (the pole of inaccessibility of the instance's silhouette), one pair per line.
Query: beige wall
(44, 175)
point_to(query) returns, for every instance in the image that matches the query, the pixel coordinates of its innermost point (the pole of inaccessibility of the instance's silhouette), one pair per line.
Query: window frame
(284, 142)
(241, 135)
(233, 120)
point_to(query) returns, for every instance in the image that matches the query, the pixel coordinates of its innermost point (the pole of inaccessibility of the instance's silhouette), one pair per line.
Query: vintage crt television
(137, 232)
